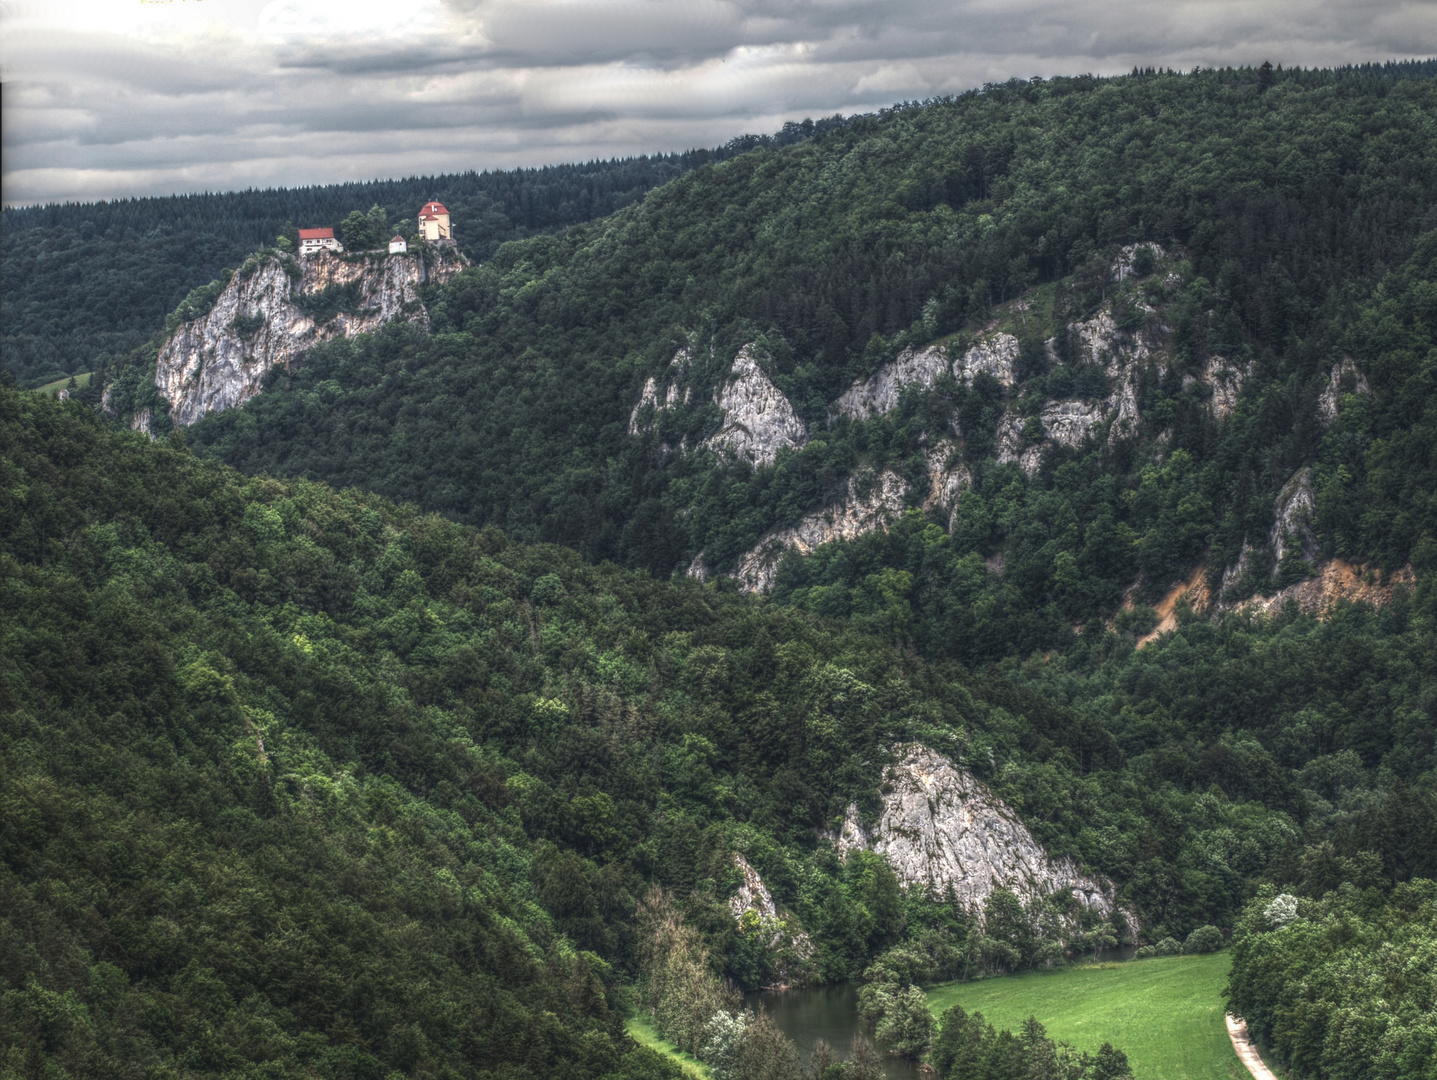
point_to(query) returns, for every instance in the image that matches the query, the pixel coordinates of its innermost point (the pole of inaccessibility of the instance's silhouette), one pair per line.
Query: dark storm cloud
(102, 99)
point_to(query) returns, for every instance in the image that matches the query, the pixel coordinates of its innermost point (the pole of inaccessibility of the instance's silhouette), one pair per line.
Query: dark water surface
(829, 1013)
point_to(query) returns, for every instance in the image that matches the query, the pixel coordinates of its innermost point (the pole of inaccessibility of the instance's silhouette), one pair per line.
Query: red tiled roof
(316, 234)
(395, 237)
(432, 208)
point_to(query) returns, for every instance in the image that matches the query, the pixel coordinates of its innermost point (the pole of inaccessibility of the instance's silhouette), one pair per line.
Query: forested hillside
(306, 777)
(386, 722)
(1291, 210)
(80, 280)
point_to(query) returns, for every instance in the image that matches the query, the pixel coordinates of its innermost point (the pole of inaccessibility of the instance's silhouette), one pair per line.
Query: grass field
(644, 1034)
(52, 388)
(1166, 1014)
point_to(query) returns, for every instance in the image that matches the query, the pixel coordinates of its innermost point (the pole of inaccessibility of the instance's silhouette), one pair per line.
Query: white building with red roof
(434, 222)
(397, 246)
(312, 240)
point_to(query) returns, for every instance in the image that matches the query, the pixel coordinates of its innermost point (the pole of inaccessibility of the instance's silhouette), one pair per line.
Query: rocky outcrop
(755, 912)
(661, 395)
(881, 393)
(752, 894)
(1011, 446)
(758, 419)
(1292, 530)
(995, 356)
(259, 321)
(1224, 380)
(856, 515)
(1071, 422)
(948, 478)
(1345, 379)
(941, 829)
(1335, 580)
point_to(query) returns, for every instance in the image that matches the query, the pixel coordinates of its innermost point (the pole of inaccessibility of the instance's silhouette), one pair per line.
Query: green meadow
(644, 1034)
(1166, 1014)
(82, 380)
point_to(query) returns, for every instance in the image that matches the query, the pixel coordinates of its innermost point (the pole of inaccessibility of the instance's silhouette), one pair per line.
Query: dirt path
(1237, 1032)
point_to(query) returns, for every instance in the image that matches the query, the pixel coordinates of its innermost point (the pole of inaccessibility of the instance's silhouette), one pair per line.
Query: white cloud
(116, 97)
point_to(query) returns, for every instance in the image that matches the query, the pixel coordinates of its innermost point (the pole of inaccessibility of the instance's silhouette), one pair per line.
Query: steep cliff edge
(940, 828)
(274, 310)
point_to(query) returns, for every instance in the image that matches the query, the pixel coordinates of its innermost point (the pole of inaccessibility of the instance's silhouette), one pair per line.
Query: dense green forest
(1301, 215)
(306, 777)
(82, 280)
(1341, 985)
(368, 728)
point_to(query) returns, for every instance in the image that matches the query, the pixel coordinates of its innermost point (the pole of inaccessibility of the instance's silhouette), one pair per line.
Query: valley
(866, 571)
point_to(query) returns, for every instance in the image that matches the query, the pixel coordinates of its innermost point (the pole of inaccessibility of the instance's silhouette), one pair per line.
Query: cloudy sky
(106, 98)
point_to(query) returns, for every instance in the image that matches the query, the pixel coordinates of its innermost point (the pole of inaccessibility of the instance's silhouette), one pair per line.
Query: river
(823, 1012)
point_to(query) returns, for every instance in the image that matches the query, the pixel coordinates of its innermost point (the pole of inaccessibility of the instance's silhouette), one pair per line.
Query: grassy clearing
(643, 1033)
(1166, 1014)
(82, 380)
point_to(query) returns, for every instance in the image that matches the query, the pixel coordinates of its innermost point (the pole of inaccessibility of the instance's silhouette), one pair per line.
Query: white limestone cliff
(881, 393)
(218, 361)
(1225, 380)
(1069, 422)
(852, 517)
(994, 356)
(948, 478)
(941, 828)
(661, 394)
(754, 910)
(1345, 378)
(1292, 524)
(758, 419)
(1010, 447)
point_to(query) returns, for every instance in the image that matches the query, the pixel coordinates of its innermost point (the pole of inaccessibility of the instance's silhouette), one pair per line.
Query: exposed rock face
(1008, 442)
(217, 362)
(946, 483)
(1293, 525)
(1124, 407)
(941, 828)
(1123, 264)
(1225, 379)
(758, 420)
(1336, 580)
(853, 517)
(1099, 341)
(1070, 422)
(755, 912)
(662, 398)
(881, 393)
(752, 894)
(1345, 379)
(995, 356)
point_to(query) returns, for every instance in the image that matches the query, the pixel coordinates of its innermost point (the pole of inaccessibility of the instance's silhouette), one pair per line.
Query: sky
(114, 98)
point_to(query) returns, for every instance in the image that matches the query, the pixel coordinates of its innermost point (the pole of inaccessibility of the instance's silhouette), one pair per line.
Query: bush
(1204, 939)
(1167, 947)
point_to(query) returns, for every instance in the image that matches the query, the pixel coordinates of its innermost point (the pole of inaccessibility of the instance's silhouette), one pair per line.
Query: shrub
(1204, 939)
(1167, 947)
